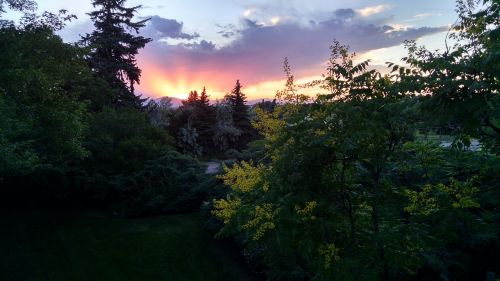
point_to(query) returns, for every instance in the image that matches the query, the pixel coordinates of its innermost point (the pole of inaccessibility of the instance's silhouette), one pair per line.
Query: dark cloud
(387, 28)
(228, 30)
(203, 45)
(345, 13)
(171, 28)
(251, 23)
(226, 33)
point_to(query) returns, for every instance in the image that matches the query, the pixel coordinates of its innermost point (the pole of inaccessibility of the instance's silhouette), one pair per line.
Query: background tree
(204, 98)
(160, 112)
(192, 99)
(195, 118)
(204, 122)
(225, 133)
(113, 48)
(241, 120)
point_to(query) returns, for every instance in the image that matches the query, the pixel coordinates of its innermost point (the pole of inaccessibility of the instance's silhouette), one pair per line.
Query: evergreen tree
(192, 98)
(196, 114)
(241, 119)
(204, 121)
(200, 116)
(204, 98)
(113, 48)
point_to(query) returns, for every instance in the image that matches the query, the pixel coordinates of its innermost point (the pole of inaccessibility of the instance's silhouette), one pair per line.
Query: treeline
(205, 130)
(355, 186)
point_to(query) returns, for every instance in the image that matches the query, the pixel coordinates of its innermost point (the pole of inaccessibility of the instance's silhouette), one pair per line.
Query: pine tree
(204, 121)
(113, 48)
(204, 98)
(241, 120)
(192, 99)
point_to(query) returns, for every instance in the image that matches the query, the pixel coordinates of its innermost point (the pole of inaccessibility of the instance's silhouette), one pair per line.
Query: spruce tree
(113, 48)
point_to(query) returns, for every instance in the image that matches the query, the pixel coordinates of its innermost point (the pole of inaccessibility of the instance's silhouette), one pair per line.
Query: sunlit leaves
(243, 177)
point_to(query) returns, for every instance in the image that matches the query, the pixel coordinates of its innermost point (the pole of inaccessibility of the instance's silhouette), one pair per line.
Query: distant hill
(176, 102)
(256, 101)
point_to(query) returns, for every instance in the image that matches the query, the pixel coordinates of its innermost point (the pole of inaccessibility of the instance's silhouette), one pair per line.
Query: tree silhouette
(192, 99)
(204, 98)
(200, 116)
(113, 48)
(241, 121)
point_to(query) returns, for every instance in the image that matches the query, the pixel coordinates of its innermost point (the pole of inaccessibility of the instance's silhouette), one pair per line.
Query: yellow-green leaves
(225, 209)
(261, 221)
(268, 124)
(306, 212)
(245, 180)
(244, 177)
(438, 197)
(329, 253)
(422, 202)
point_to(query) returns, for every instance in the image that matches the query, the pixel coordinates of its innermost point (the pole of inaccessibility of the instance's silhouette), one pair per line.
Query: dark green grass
(92, 247)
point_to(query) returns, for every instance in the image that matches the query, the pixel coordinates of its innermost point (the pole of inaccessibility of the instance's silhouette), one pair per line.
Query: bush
(172, 183)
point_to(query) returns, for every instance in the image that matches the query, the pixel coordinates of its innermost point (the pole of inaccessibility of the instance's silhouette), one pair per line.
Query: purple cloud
(257, 53)
(345, 13)
(170, 28)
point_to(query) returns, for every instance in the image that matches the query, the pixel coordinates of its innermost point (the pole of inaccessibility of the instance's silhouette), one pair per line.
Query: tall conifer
(113, 48)
(241, 120)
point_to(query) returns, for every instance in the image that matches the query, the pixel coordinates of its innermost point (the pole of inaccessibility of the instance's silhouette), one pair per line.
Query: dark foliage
(113, 48)
(241, 120)
(171, 183)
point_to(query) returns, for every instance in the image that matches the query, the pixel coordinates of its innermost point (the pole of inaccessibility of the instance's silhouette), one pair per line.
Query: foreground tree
(24, 6)
(350, 193)
(113, 48)
(42, 82)
(461, 84)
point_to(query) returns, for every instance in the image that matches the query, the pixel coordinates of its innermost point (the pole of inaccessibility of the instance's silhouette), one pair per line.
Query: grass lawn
(92, 247)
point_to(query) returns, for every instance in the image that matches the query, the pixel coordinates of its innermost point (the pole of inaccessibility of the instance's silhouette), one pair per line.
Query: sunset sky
(214, 42)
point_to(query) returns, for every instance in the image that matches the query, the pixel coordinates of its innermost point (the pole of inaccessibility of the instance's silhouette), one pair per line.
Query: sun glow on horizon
(177, 83)
(158, 85)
